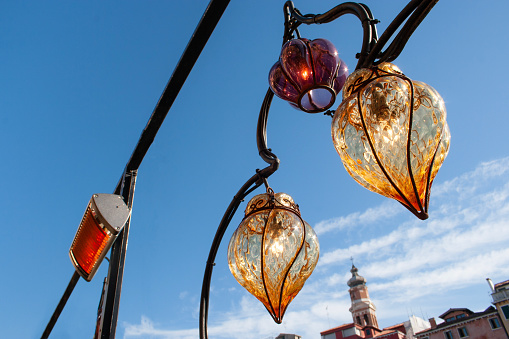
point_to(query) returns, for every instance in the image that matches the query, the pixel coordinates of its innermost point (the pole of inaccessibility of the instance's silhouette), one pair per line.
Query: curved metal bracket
(371, 50)
(261, 133)
(414, 13)
(359, 10)
(260, 178)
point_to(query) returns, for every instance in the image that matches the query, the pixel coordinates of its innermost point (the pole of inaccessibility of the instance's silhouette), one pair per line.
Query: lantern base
(317, 99)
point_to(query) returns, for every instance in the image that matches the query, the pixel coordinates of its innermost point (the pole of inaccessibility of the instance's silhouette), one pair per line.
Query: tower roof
(356, 279)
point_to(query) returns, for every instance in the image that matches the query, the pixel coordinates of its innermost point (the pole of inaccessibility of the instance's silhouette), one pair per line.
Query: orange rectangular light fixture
(104, 218)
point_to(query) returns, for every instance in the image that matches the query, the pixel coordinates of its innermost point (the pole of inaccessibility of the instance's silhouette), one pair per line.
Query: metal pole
(189, 57)
(61, 304)
(116, 267)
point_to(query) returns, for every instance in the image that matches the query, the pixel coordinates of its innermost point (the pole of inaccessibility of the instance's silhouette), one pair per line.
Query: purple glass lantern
(309, 74)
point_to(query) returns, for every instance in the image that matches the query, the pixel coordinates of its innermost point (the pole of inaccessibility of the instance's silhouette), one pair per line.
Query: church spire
(356, 279)
(362, 309)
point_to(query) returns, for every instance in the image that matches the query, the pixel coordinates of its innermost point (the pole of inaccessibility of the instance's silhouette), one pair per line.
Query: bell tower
(362, 309)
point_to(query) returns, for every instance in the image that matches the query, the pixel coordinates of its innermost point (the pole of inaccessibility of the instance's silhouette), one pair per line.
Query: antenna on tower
(327, 310)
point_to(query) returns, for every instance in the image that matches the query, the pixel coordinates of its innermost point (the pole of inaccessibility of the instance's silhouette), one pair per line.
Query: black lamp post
(317, 95)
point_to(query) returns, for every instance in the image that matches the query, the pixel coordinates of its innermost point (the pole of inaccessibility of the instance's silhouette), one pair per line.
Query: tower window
(359, 320)
(366, 319)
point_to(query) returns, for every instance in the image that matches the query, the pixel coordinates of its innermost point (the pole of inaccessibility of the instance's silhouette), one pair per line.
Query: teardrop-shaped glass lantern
(309, 74)
(273, 251)
(392, 135)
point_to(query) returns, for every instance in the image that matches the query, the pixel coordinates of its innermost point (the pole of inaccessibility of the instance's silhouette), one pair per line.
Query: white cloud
(457, 275)
(462, 243)
(147, 329)
(467, 183)
(370, 216)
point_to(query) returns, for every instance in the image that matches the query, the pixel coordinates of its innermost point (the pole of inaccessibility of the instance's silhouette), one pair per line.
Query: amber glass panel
(304, 265)
(385, 124)
(89, 242)
(273, 252)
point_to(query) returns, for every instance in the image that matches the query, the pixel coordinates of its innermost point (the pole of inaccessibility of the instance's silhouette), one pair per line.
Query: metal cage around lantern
(391, 134)
(273, 251)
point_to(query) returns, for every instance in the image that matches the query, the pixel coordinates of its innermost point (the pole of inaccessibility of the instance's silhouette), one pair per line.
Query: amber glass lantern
(391, 134)
(273, 251)
(309, 74)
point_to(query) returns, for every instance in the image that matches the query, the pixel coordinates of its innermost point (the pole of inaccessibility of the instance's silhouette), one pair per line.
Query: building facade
(458, 323)
(500, 296)
(461, 323)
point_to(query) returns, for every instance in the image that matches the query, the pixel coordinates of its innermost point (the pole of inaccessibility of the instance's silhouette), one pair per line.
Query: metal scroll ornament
(391, 134)
(273, 251)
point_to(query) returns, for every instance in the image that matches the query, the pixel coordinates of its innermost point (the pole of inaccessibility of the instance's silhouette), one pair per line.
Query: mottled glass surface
(309, 74)
(273, 252)
(378, 133)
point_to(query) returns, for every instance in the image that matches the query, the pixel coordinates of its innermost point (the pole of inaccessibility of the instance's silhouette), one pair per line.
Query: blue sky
(78, 83)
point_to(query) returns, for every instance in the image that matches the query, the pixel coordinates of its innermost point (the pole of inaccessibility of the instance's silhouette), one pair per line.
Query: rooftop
(501, 284)
(472, 316)
(452, 310)
(342, 327)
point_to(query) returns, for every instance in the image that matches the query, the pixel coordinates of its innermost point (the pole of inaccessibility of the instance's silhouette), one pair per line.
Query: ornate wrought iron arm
(371, 50)
(415, 11)
(253, 183)
(359, 10)
(261, 133)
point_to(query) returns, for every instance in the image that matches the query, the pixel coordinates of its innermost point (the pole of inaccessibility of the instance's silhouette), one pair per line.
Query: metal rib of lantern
(392, 135)
(273, 251)
(309, 74)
